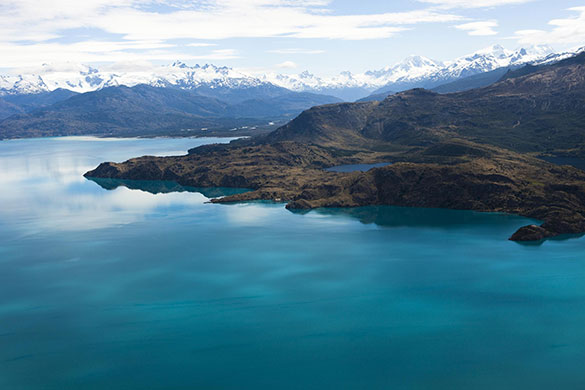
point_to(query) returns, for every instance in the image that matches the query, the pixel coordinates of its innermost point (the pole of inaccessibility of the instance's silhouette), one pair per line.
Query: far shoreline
(112, 137)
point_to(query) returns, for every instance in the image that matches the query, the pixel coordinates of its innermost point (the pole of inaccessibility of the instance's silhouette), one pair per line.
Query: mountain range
(420, 72)
(412, 72)
(144, 110)
(179, 99)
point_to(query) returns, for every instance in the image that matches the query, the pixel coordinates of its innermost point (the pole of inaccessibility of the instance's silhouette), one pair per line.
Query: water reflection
(164, 187)
(356, 167)
(43, 187)
(392, 216)
(572, 161)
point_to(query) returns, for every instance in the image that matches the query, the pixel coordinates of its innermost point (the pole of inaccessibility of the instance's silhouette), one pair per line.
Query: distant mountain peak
(179, 64)
(415, 60)
(495, 50)
(538, 50)
(412, 63)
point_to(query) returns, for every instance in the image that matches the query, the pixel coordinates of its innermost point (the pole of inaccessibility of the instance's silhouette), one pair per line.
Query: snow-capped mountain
(22, 84)
(489, 59)
(411, 67)
(179, 74)
(417, 71)
(556, 57)
(81, 78)
(309, 81)
(358, 84)
(346, 85)
(414, 71)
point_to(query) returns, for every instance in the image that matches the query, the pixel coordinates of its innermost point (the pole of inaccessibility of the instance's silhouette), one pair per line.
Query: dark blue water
(356, 167)
(572, 161)
(133, 288)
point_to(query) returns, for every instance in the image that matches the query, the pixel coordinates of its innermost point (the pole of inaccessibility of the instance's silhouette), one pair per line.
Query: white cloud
(201, 44)
(473, 3)
(16, 56)
(260, 21)
(218, 19)
(296, 51)
(220, 54)
(566, 31)
(287, 65)
(484, 28)
(128, 30)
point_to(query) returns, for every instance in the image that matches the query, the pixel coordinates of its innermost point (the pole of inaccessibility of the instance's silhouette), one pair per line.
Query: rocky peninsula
(475, 150)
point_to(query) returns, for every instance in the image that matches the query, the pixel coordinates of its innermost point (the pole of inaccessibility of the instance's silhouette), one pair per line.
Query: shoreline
(497, 181)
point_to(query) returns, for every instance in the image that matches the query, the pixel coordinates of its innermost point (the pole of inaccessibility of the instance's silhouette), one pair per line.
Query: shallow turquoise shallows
(138, 288)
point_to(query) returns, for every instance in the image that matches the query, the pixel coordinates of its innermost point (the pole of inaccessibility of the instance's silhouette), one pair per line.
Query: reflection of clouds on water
(316, 216)
(63, 169)
(249, 214)
(54, 207)
(44, 188)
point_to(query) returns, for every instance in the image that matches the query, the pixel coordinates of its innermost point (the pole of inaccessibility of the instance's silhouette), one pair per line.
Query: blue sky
(324, 36)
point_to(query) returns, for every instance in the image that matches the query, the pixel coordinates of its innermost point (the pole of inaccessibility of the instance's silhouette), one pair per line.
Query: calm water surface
(356, 167)
(103, 286)
(573, 161)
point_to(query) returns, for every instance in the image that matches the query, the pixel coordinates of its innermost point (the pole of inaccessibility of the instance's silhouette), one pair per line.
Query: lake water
(356, 167)
(146, 288)
(573, 161)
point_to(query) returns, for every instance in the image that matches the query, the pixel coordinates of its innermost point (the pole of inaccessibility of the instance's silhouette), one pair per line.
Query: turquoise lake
(110, 287)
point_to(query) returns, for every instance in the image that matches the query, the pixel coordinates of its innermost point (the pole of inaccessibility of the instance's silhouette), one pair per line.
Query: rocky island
(476, 150)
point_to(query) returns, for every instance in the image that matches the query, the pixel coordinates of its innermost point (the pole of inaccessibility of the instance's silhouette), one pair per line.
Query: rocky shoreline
(474, 150)
(499, 181)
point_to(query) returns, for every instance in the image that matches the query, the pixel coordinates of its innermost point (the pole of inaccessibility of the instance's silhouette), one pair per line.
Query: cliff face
(471, 150)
